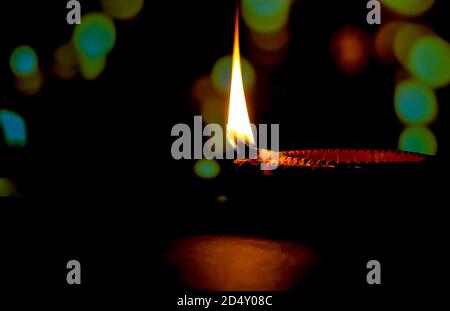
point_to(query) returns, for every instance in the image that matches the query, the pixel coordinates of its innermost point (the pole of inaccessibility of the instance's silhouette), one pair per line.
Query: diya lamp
(233, 262)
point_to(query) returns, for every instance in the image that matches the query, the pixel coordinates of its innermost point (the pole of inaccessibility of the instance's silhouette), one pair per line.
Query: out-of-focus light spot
(7, 187)
(24, 61)
(271, 41)
(30, 85)
(429, 61)
(350, 47)
(408, 7)
(415, 103)
(95, 36)
(213, 110)
(92, 68)
(203, 89)
(406, 36)
(418, 139)
(207, 169)
(221, 74)
(268, 58)
(122, 9)
(211, 104)
(401, 75)
(222, 198)
(265, 15)
(65, 61)
(384, 41)
(14, 128)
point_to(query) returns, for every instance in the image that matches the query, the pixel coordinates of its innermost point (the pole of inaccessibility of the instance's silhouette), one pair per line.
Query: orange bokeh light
(351, 50)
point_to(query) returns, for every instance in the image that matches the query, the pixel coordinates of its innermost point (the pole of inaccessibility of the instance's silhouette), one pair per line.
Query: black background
(100, 186)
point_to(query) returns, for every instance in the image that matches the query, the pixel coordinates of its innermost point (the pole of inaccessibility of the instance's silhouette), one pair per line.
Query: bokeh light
(14, 128)
(405, 38)
(401, 74)
(271, 41)
(266, 15)
(384, 41)
(207, 169)
(24, 61)
(95, 36)
(351, 49)
(7, 187)
(65, 61)
(429, 61)
(30, 85)
(202, 90)
(268, 58)
(221, 74)
(122, 9)
(212, 105)
(408, 7)
(214, 110)
(418, 139)
(415, 103)
(91, 68)
(222, 198)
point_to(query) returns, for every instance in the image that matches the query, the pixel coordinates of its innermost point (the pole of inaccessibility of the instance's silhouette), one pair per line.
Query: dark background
(99, 184)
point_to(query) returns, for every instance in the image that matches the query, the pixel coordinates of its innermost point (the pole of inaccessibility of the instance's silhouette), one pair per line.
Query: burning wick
(239, 133)
(238, 124)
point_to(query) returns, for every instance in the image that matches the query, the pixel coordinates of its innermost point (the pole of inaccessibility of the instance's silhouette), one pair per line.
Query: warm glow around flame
(238, 125)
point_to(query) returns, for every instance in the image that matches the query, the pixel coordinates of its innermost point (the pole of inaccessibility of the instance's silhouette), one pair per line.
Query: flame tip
(238, 124)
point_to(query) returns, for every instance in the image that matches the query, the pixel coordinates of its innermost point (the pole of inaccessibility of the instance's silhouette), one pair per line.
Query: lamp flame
(238, 124)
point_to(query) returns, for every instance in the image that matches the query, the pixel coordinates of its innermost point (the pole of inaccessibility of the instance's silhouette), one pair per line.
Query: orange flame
(238, 125)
